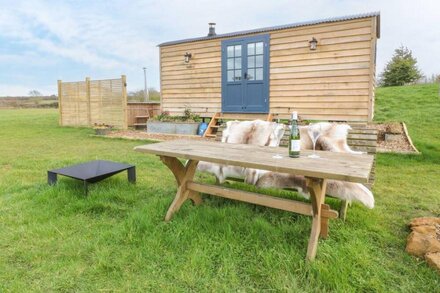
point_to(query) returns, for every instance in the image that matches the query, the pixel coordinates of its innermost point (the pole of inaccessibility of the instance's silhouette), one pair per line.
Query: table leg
(195, 197)
(183, 174)
(324, 222)
(317, 189)
(86, 189)
(131, 173)
(51, 178)
(343, 209)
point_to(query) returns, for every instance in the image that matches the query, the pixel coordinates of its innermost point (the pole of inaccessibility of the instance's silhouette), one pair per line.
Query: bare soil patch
(424, 240)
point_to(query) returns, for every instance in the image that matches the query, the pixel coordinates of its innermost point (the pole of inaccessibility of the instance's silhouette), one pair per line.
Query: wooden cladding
(84, 103)
(334, 82)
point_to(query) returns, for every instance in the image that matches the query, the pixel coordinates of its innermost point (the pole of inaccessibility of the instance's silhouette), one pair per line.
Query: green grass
(55, 239)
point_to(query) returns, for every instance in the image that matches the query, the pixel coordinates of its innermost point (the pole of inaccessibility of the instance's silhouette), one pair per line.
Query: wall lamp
(313, 43)
(187, 57)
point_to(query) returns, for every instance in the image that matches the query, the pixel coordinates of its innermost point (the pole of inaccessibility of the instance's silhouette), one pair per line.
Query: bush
(401, 69)
(188, 116)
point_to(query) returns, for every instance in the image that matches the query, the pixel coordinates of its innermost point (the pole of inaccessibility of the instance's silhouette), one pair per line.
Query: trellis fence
(84, 103)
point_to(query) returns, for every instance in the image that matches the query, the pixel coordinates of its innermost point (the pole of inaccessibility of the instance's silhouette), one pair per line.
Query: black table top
(92, 169)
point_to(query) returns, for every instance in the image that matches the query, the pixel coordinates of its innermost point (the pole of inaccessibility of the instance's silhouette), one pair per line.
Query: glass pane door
(245, 78)
(255, 57)
(234, 62)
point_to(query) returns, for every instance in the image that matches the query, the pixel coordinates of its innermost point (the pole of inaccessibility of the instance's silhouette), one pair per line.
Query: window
(234, 63)
(255, 61)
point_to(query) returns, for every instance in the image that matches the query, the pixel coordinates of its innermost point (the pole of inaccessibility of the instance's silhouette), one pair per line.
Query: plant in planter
(102, 128)
(165, 123)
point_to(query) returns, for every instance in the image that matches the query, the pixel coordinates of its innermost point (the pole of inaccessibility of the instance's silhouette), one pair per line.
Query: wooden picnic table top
(330, 165)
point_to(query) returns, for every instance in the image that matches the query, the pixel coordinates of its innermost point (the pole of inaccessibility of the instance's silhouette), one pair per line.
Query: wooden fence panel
(85, 103)
(136, 109)
(74, 106)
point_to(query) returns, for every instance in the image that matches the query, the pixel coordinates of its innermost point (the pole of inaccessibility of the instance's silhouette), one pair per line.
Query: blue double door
(245, 75)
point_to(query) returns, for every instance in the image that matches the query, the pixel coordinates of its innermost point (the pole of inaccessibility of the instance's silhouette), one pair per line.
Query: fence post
(124, 100)
(89, 114)
(60, 118)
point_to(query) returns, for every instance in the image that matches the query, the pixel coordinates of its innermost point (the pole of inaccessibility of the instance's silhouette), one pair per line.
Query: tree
(153, 94)
(401, 69)
(138, 96)
(34, 93)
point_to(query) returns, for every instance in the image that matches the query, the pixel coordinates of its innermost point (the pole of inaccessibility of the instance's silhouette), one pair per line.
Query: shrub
(401, 69)
(188, 116)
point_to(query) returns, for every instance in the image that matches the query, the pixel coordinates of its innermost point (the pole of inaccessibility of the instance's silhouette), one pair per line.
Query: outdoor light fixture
(187, 57)
(313, 43)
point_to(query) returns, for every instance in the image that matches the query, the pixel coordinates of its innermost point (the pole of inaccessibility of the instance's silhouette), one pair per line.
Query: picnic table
(330, 165)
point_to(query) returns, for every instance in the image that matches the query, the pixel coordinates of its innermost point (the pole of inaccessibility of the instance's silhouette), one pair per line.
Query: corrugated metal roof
(275, 28)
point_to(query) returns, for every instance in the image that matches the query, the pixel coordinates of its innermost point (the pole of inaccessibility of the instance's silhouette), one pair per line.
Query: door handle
(245, 75)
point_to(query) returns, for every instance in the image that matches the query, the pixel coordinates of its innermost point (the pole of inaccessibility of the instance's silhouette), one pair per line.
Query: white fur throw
(257, 132)
(333, 138)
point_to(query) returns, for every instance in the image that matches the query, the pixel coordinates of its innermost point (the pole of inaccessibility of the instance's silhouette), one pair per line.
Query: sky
(43, 41)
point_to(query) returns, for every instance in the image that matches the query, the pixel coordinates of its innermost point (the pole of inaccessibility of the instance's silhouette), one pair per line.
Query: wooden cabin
(324, 69)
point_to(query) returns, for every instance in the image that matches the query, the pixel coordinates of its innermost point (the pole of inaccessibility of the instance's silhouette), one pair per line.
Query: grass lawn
(55, 239)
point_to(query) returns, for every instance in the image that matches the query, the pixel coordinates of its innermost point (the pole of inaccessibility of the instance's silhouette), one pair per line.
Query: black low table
(92, 172)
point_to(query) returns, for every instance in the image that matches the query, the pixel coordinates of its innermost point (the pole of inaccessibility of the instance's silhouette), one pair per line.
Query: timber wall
(334, 82)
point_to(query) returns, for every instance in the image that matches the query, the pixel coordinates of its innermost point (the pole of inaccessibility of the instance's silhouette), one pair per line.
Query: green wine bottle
(294, 142)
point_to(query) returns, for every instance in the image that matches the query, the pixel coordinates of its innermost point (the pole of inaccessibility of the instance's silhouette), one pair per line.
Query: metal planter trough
(185, 128)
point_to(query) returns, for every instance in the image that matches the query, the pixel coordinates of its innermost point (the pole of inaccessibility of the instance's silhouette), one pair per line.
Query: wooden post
(89, 112)
(124, 101)
(160, 81)
(60, 118)
(317, 189)
(372, 75)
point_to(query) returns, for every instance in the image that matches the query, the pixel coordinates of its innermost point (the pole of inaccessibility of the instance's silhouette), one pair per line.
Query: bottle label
(294, 145)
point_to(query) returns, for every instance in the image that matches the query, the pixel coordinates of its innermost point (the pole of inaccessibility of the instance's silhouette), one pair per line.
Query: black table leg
(131, 172)
(51, 178)
(86, 190)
